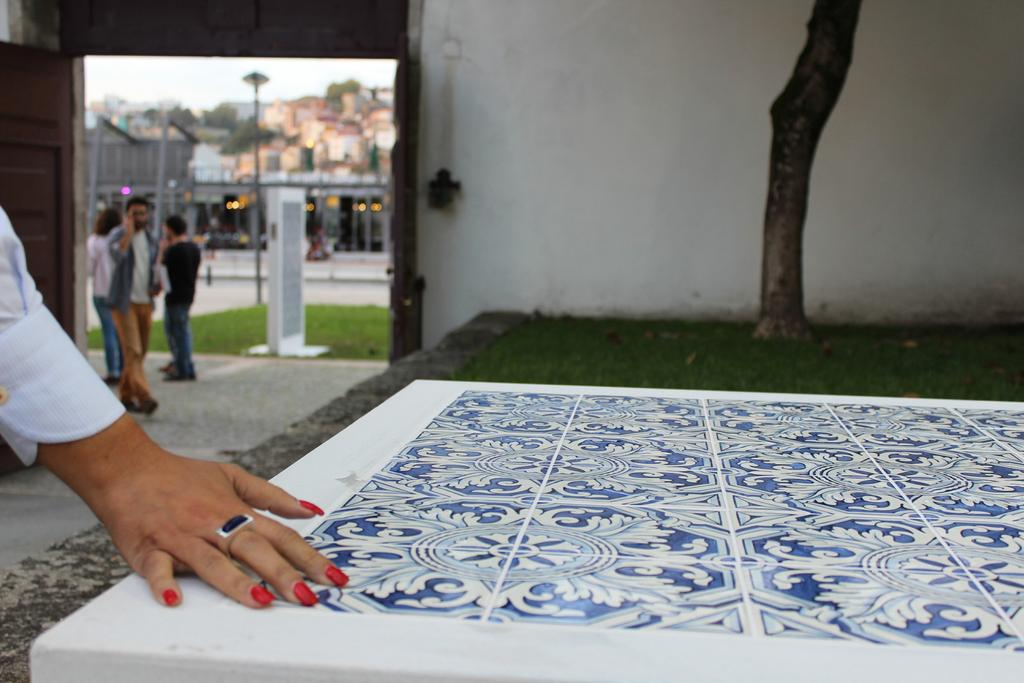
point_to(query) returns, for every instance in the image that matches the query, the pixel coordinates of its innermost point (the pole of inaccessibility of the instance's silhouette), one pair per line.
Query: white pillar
(286, 314)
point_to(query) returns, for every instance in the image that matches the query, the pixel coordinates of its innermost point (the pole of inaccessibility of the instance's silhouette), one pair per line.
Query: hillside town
(201, 162)
(348, 131)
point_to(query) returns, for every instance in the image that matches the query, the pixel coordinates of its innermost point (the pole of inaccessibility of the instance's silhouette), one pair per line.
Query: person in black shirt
(181, 258)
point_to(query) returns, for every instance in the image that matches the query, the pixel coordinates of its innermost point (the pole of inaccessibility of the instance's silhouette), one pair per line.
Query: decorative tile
(784, 435)
(550, 426)
(807, 538)
(932, 424)
(1000, 574)
(857, 487)
(792, 412)
(623, 427)
(943, 455)
(1001, 537)
(881, 440)
(411, 580)
(632, 471)
(481, 444)
(533, 546)
(480, 406)
(420, 520)
(656, 452)
(1007, 426)
(512, 472)
(676, 534)
(386, 492)
(683, 413)
(973, 489)
(505, 401)
(729, 447)
(630, 515)
(477, 415)
(639, 488)
(451, 479)
(909, 608)
(624, 593)
(628, 416)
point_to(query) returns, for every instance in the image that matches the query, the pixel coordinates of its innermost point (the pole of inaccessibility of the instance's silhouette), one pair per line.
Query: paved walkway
(236, 404)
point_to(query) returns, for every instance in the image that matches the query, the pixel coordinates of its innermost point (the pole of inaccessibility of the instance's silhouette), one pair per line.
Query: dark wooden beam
(234, 28)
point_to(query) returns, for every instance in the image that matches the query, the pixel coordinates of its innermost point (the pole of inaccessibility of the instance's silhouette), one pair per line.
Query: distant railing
(216, 176)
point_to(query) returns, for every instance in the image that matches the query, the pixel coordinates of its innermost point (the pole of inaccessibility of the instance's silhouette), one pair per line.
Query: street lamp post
(256, 79)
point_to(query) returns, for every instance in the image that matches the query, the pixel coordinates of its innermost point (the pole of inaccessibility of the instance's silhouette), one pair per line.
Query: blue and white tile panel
(858, 522)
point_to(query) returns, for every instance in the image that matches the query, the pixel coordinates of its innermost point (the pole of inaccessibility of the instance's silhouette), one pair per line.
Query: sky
(204, 82)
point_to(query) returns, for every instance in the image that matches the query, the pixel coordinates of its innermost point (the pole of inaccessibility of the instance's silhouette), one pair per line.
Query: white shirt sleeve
(48, 392)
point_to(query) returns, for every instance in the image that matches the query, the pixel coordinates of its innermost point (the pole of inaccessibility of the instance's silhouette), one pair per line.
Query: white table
(499, 532)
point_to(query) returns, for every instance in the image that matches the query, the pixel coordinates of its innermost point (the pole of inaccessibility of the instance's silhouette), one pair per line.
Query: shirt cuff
(48, 392)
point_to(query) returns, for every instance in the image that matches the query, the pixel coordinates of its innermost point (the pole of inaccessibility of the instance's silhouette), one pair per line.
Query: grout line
(507, 566)
(956, 558)
(1006, 447)
(741, 576)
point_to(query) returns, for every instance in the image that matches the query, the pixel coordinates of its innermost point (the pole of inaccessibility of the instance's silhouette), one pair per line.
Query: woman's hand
(163, 513)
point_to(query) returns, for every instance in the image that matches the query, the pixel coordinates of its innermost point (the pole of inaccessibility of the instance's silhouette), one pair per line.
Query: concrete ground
(235, 404)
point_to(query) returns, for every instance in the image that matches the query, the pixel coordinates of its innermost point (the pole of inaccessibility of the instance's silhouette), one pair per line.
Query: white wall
(206, 158)
(614, 160)
(5, 22)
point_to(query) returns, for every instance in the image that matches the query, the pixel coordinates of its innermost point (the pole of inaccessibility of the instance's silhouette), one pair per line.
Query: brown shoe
(148, 407)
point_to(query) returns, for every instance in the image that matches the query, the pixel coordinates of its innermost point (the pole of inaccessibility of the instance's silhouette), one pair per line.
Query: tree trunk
(798, 117)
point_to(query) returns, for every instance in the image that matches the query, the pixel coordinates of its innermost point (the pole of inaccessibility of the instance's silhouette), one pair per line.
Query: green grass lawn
(349, 331)
(871, 361)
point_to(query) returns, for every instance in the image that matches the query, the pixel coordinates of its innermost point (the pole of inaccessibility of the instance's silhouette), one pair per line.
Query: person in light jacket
(98, 256)
(133, 284)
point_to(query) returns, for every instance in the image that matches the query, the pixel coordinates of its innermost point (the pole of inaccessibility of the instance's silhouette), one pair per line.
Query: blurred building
(129, 165)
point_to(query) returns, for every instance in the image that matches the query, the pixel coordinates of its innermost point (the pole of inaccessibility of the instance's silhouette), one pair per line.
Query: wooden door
(360, 29)
(405, 301)
(35, 174)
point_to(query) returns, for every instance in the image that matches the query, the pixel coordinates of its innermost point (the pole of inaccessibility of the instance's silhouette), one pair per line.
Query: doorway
(329, 29)
(43, 131)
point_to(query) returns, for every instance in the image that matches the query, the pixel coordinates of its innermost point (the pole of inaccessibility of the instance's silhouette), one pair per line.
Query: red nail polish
(339, 577)
(261, 595)
(303, 593)
(171, 598)
(311, 507)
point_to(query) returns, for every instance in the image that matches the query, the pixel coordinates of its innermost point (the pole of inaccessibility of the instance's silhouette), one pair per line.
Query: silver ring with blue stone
(234, 524)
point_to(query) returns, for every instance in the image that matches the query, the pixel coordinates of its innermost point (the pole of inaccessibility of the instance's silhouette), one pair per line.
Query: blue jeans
(111, 346)
(179, 338)
(172, 342)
